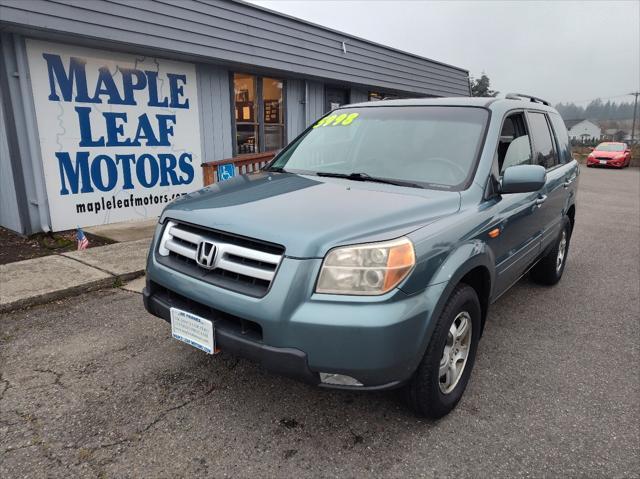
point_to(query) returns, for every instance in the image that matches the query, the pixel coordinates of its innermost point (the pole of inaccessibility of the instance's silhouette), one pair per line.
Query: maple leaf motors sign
(119, 134)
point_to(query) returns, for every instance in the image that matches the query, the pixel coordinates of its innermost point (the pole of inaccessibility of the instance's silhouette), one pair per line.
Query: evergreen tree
(482, 86)
(596, 110)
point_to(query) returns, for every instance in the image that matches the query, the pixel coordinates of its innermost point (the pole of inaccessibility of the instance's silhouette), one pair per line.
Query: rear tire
(443, 374)
(549, 269)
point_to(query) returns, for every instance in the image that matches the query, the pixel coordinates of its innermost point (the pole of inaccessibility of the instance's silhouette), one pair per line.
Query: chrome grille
(241, 264)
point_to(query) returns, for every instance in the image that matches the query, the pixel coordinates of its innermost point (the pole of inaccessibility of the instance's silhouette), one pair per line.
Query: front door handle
(540, 199)
(568, 182)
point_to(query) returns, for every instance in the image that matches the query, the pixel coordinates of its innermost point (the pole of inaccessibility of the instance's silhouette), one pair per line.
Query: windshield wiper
(368, 177)
(276, 169)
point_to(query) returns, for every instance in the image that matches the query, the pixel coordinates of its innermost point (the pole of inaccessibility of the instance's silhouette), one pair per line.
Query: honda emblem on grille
(206, 254)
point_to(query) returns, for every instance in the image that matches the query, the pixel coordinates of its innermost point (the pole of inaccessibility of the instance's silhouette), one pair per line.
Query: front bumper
(608, 164)
(379, 341)
(232, 337)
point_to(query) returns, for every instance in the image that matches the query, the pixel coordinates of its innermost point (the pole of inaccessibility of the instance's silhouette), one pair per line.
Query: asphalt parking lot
(94, 386)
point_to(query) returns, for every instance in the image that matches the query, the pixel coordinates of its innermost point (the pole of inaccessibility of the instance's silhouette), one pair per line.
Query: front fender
(463, 259)
(440, 285)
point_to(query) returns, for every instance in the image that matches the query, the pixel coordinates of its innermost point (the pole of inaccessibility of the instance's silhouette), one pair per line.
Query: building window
(273, 114)
(259, 113)
(247, 131)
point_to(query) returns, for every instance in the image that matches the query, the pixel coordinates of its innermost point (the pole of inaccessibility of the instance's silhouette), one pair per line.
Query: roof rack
(520, 96)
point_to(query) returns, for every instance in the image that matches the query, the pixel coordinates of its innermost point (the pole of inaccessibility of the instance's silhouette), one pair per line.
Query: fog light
(339, 380)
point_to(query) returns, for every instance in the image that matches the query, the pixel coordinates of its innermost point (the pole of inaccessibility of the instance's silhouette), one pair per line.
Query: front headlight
(368, 269)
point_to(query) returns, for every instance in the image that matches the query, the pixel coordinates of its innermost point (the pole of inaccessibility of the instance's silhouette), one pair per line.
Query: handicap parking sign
(226, 171)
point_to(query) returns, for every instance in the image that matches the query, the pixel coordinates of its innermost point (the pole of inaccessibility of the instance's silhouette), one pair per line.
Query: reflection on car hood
(309, 215)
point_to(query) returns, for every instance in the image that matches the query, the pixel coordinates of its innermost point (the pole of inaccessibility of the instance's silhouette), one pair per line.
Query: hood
(607, 154)
(308, 215)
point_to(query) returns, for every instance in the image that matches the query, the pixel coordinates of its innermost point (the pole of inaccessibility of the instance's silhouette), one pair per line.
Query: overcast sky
(558, 50)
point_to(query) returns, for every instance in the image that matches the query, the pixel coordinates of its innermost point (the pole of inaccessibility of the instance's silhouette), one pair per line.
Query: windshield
(434, 147)
(610, 147)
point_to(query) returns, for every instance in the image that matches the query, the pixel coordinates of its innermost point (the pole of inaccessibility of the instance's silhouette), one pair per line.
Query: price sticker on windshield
(343, 119)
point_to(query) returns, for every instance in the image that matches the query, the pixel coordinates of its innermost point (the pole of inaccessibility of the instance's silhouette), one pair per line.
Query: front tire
(443, 373)
(549, 269)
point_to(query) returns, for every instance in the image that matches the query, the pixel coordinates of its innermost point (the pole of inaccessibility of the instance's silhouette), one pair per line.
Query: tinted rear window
(564, 146)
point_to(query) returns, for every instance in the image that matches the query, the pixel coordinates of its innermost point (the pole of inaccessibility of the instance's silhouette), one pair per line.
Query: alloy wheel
(456, 352)
(562, 250)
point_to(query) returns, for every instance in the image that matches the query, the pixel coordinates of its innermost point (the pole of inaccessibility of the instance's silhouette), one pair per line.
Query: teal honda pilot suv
(366, 255)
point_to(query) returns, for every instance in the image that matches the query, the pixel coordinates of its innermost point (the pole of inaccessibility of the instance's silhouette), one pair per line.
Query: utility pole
(635, 109)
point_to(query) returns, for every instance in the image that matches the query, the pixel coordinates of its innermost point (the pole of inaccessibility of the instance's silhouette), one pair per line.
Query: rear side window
(564, 146)
(545, 152)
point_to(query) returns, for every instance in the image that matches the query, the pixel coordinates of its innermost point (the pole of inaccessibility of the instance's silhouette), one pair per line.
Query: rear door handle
(540, 199)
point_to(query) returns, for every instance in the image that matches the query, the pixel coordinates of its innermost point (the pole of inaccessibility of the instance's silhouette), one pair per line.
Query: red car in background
(611, 154)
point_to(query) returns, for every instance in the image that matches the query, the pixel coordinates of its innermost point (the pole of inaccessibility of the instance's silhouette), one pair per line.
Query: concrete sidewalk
(40, 280)
(125, 230)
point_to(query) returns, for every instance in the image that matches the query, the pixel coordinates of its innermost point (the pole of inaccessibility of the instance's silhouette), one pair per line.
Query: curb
(41, 280)
(104, 283)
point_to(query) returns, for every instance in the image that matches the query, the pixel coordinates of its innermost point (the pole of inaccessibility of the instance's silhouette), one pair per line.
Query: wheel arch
(471, 263)
(571, 214)
(479, 278)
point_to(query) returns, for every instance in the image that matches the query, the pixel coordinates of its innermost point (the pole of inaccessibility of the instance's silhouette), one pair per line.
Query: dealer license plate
(193, 330)
(603, 162)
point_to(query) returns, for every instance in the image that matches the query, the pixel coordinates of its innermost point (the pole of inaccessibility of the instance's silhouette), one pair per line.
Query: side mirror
(591, 148)
(523, 179)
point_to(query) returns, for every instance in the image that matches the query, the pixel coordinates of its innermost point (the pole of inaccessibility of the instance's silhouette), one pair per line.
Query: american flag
(83, 242)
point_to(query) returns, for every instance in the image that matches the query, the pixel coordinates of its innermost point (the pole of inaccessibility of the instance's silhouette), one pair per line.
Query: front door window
(542, 141)
(514, 147)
